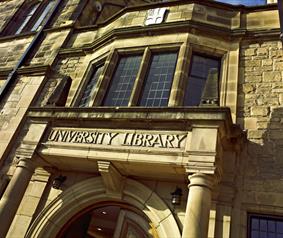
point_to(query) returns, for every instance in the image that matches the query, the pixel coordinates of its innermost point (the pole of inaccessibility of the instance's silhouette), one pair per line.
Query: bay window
(145, 79)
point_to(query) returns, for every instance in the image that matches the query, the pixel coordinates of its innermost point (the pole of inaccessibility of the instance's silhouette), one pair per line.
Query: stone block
(262, 51)
(249, 52)
(250, 123)
(267, 62)
(259, 111)
(255, 134)
(272, 76)
(248, 88)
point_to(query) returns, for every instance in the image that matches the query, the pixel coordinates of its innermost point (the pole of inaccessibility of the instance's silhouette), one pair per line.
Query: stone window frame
(195, 49)
(110, 65)
(86, 78)
(16, 22)
(176, 98)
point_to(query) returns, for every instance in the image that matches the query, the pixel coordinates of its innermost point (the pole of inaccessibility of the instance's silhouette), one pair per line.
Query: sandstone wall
(260, 112)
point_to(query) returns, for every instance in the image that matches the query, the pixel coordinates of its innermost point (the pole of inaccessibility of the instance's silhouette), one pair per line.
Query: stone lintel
(111, 177)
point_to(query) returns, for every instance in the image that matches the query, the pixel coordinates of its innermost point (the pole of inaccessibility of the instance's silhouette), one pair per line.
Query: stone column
(14, 193)
(198, 206)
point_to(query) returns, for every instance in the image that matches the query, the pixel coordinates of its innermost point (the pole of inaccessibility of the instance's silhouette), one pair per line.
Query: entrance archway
(109, 220)
(89, 192)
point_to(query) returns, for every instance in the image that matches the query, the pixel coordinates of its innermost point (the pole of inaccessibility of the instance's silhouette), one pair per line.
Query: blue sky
(245, 2)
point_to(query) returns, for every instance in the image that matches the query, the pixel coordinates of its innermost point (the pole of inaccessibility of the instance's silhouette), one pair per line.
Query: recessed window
(89, 89)
(265, 226)
(158, 82)
(203, 80)
(29, 17)
(122, 83)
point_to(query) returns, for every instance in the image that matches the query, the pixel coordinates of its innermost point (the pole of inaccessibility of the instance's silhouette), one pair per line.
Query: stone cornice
(177, 118)
(182, 26)
(34, 70)
(37, 70)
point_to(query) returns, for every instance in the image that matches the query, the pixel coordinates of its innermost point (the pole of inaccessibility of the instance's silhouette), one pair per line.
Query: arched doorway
(92, 193)
(112, 220)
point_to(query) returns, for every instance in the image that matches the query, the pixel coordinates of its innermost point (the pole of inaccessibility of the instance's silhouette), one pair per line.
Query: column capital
(202, 180)
(25, 162)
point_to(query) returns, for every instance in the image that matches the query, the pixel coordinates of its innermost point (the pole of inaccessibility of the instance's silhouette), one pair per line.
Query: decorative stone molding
(112, 179)
(91, 191)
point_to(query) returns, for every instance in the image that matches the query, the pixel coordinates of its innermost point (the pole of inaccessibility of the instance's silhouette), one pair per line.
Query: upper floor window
(29, 17)
(244, 2)
(122, 83)
(138, 80)
(146, 80)
(265, 226)
(203, 79)
(89, 89)
(158, 83)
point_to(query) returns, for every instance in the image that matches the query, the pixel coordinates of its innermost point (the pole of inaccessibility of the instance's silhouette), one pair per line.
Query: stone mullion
(180, 76)
(105, 78)
(145, 63)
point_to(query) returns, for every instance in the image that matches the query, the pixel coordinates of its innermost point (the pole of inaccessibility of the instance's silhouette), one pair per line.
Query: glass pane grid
(123, 81)
(158, 83)
(86, 98)
(266, 227)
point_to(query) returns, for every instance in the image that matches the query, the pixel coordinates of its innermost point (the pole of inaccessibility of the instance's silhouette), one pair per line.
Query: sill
(19, 36)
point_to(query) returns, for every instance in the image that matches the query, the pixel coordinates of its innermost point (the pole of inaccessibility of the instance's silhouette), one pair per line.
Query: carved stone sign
(155, 16)
(132, 138)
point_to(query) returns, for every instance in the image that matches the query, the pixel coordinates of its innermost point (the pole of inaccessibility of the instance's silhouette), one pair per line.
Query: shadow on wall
(263, 175)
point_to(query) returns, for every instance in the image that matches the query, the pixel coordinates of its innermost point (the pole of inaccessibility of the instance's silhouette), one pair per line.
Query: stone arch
(88, 192)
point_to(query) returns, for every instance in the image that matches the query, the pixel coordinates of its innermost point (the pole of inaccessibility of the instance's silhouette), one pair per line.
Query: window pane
(200, 68)
(26, 18)
(271, 226)
(244, 2)
(42, 16)
(266, 227)
(123, 81)
(159, 80)
(279, 227)
(87, 95)
(263, 225)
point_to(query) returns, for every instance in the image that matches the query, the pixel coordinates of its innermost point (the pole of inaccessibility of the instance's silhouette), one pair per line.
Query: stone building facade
(140, 118)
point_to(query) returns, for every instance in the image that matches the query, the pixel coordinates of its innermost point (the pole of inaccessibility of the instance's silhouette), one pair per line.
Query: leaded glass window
(122, 83)
(158, 83)
(265, 226)
(87, 94)
(201, 67)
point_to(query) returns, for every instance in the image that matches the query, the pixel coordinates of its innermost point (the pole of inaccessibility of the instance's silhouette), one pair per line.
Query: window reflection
(201, 68)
